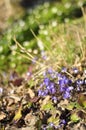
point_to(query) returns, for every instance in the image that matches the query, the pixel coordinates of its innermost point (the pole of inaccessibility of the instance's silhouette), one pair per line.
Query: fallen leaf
(82, 100)
(2, 115)
(30, 119)
(31, 93)
(18, 114)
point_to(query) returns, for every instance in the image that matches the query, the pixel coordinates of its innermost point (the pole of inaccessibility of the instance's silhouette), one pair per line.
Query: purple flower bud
(44, 73)
(79, 82)
(41, 85)
(54, 99)
(34, 60)
(57, 127)
(63, 121)
(69, 81)
(50, 71)
(59, 76)
(75, 70)
(64, 70)
(66, 80)
(43, 54)
(28, 73)
(51, 124)
(78, 88)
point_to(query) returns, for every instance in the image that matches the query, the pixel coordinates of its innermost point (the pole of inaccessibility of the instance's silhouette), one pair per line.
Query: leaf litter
(22, 108)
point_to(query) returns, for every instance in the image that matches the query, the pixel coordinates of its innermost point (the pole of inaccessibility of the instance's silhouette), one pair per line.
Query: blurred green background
(47, 19)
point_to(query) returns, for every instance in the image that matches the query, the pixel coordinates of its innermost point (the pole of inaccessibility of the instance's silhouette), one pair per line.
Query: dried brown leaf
(2, 115)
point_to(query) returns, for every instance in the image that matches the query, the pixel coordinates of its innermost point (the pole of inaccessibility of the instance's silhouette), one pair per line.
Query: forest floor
(43, 71)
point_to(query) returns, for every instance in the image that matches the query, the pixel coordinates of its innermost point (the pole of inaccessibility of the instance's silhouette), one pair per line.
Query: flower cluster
(53, 80)
(52, 125)
(65, 85)
(47, 87)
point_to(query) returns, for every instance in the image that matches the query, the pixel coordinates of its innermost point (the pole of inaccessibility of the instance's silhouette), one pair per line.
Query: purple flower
(48, 87)
(45, 91)
(43, 55)
(69, 81)
(51, 124)
(1, 90)
(79, 82)
(34, 60)
(59, 76)
(64, 80)
(28, 74)
(53, 91)
(50, 71)
(52, 88)
(53, 75)
(63, 83)
(62, 88)
(63, 122)
(69, 88)
(57, 127)
(46, 81)
(64, 70)
(42, 84)
(54, 99)
(51, 85)
(66, 95)
(44, 73)
(39, 92)
(42, 93)
(85, 81)
(75, 70)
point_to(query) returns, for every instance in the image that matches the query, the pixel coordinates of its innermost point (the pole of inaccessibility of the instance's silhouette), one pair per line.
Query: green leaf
(82, 100)
(54, 120)
(70, 106)
(74, 117)
(84, 104)
(48, 106)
